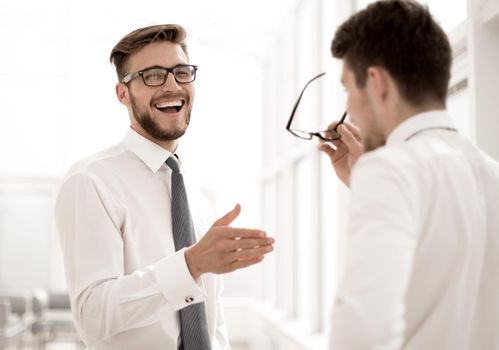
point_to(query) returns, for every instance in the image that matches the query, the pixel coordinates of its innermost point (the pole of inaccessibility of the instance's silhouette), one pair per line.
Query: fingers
(236, 232)
(238, 239)
(334, 154)
(228, 218)
(241, 264)
(247, 254)
(332, 126)
(349, 139)
(354, 130)
(249, 243)
(326, 148)
(225, 239)
(351, 127)
(246, 257)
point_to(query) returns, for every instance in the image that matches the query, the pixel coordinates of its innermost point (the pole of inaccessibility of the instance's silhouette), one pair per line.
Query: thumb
(229, 217)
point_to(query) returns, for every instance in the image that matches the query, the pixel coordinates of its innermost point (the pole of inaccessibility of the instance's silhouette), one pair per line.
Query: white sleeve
(104, 300)
(221, 336)
(368, 311)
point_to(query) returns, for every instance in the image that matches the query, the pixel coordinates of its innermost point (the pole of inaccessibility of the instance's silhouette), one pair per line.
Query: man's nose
(170, 83)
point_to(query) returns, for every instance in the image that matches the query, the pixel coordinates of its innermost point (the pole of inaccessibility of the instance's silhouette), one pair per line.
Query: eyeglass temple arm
(341, 121)
(299, 99)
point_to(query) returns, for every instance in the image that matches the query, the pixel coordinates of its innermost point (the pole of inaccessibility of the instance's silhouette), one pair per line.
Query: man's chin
(371, 145)
(170, 135)
(161, 128)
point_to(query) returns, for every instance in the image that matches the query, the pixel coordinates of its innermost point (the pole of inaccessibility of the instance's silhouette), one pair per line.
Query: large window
(311, 230)
(293, 184)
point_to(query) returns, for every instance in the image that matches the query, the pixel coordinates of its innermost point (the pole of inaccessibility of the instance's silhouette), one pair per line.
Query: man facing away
(136, 277)
(422, 251)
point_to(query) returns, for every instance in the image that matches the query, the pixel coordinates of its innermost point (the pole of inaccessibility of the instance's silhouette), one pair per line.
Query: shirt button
(189, 299)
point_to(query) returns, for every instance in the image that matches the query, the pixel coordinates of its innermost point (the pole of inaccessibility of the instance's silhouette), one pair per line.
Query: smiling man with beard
(142, 263)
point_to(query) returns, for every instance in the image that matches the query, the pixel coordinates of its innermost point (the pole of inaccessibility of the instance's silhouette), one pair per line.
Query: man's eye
(154, 75)
(183, 73)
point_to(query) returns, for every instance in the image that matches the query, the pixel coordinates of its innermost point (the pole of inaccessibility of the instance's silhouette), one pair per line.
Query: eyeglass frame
(131, 76)
(336, 135)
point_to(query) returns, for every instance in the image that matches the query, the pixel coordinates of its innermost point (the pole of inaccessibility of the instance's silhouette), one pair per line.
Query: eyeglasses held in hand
(326, 135)
(157, 76)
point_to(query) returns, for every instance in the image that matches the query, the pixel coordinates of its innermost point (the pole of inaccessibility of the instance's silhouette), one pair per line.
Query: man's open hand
(225, 249)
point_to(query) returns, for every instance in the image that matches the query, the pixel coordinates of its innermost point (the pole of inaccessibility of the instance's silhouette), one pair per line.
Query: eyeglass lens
(158, 76)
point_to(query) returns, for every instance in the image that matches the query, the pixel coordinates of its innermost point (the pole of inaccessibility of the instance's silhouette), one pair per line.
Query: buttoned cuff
(176, 283)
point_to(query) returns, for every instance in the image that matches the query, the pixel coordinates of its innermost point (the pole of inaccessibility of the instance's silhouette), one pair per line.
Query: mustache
(172, 95)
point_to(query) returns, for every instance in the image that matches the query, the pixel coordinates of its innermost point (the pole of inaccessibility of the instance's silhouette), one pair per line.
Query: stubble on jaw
(373, 143)
(374, 136)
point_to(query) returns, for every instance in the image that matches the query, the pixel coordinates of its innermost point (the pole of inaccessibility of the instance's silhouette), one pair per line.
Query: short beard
(144, 119)
(373, 142)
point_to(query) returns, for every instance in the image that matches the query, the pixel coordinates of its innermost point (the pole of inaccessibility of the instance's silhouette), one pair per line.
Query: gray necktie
(193, 324)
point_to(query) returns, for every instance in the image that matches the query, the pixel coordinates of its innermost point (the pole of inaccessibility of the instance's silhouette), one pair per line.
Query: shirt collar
(152, 154)
(418, 122)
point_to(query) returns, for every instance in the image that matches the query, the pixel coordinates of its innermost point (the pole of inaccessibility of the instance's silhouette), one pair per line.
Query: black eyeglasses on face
(326, 135)
(157, 76)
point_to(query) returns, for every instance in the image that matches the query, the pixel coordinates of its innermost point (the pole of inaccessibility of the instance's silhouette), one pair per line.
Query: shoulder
(97, 165)
(99, 172)
(388, 174)
(416, 159)
(383, 161)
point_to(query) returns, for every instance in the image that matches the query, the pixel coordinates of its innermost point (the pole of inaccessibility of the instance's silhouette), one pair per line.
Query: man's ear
(122, 93)
(377, 82)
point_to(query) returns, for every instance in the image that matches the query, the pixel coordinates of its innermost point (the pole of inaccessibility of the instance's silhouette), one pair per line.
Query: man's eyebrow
(162, 67)
(151, 67)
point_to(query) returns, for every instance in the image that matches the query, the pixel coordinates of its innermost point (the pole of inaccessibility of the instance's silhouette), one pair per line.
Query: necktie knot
(173, 164)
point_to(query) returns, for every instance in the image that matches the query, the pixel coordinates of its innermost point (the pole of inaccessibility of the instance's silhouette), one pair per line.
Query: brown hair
(139, 38)
(402, 37)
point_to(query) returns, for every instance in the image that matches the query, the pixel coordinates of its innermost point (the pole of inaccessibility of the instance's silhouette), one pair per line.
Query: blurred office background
(58, 105)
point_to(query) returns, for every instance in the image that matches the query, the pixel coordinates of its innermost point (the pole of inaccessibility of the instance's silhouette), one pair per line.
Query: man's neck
(170, 146)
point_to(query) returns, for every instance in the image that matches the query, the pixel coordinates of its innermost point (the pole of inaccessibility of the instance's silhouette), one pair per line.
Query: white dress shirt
(422, 246)
(125, 279)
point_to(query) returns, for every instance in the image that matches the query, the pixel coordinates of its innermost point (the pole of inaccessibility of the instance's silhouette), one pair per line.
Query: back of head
(137, 39)
(402, 37)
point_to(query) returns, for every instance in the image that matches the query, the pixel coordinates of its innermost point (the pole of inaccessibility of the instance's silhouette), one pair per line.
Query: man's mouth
(173, 106)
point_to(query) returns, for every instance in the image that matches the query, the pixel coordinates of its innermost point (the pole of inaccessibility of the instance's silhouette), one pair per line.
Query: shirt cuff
(176, 283)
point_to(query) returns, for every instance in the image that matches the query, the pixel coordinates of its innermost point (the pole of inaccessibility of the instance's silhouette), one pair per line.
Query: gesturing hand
(225, 249)
(348, 149)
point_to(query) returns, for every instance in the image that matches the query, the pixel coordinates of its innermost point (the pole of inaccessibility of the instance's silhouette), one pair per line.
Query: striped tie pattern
(193, 324)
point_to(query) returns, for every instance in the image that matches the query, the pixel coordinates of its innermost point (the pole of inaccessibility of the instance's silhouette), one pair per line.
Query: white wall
(483, 51)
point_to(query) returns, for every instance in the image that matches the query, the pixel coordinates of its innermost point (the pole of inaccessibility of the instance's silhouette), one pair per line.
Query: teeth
(177, 103)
